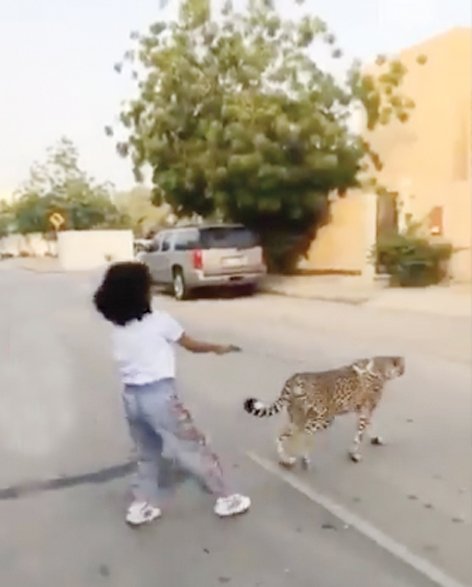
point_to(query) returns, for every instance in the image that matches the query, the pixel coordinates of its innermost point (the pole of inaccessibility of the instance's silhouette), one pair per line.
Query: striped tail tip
(249, 405)
(255, 407)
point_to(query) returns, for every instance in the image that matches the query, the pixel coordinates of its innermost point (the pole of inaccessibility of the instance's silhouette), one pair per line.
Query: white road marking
(396, 549)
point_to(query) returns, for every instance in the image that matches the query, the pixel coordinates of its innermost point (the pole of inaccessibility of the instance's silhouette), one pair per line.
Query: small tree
(137, 205)
(237, 121)
(59, 185)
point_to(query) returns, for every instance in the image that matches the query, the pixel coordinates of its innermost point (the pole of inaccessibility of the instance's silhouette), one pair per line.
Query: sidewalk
(453, 300)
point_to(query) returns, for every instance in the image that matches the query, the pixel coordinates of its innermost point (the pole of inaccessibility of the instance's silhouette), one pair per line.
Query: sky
(57, 57)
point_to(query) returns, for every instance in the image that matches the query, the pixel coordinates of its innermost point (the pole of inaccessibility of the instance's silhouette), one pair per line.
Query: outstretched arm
(196, 346)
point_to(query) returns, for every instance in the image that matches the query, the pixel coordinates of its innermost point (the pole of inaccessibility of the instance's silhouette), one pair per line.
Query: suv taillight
(197, 259)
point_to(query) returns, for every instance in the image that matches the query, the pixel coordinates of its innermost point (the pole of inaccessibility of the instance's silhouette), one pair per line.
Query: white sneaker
(232, 505)
(140, 512)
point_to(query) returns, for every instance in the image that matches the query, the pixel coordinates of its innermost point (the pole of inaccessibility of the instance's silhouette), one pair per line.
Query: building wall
(90, 249)
(33, 245)
(435, 142)
(458, 229)
(455, 200)
(345, 244)
(428, 160)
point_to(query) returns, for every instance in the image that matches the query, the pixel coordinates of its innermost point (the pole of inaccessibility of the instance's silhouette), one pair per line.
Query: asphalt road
(402, 517)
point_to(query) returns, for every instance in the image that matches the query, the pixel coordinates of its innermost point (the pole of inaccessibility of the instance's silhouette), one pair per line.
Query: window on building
(387, 214)
(436, 221)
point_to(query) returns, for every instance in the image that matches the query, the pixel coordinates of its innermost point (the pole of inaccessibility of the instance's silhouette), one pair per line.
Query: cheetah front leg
(308, 442)
(363, 422)
(372, 432)
(375, 439)
(307, 439)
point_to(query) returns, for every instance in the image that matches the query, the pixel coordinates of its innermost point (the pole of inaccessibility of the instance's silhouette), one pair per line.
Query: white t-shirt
(143, 348)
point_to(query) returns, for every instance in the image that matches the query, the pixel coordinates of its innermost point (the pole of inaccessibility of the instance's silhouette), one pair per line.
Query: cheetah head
(385, 367)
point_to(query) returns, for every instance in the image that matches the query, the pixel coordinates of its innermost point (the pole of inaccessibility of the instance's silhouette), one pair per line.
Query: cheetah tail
(260, 410)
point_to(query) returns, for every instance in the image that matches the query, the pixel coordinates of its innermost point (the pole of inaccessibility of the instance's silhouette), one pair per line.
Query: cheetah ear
(363, 366)
(359, 367)
(370, 366)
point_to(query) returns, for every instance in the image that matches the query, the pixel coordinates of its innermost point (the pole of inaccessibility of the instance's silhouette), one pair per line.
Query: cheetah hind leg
(286, 443)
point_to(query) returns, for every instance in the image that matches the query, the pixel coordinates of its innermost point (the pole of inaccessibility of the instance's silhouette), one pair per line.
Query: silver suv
(194, 257)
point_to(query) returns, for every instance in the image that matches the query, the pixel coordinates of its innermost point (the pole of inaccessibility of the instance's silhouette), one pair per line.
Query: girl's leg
(191, 449)
(148, 447)
(193, 452)
(167, 416)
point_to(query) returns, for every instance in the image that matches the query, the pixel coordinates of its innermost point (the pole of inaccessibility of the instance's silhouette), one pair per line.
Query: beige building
(427, 163)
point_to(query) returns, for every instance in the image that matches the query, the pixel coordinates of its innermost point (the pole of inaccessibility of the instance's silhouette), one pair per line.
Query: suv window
(226, 237)
(187, 240)
(166, 240)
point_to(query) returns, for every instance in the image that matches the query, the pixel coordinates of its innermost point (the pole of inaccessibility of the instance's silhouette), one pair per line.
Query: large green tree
(237, 121)
(60, 185)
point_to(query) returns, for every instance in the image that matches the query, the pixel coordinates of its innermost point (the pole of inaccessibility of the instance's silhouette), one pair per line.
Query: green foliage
(59, 185)
(237, 121)
(6, 219)
(412, 260)
(138, 207)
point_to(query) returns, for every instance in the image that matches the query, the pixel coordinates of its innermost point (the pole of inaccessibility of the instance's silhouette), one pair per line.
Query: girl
(158, 422)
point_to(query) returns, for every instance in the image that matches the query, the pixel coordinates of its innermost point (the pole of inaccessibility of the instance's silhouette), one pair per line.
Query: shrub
(412, 260)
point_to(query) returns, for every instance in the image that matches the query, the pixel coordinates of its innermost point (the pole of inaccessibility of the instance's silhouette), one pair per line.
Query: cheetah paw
(355, 457)
(305, 463)
(287, 463)
(377, 441)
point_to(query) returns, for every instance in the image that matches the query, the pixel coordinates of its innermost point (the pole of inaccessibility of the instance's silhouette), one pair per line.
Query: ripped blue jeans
(165, 437)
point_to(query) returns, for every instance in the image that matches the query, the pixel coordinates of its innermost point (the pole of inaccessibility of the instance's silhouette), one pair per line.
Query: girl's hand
(195, 346)
(225, 349)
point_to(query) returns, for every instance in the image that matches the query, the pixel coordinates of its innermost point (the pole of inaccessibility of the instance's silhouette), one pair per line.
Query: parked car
(141, 245)
(192, 257)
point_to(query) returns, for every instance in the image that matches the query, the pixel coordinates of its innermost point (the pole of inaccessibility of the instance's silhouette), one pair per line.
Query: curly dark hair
(125, 293)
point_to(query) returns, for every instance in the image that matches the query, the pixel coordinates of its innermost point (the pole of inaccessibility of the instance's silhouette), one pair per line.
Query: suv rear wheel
(179, 286)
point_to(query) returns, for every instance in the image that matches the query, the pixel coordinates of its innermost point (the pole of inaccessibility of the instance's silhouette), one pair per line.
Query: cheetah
(313, 400)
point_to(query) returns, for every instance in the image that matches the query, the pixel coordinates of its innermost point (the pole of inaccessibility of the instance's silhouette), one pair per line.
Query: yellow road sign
(57, 220)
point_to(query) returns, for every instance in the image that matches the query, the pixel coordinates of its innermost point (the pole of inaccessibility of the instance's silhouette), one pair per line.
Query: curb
(351, 300)
(36, 270)
(366, 301)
